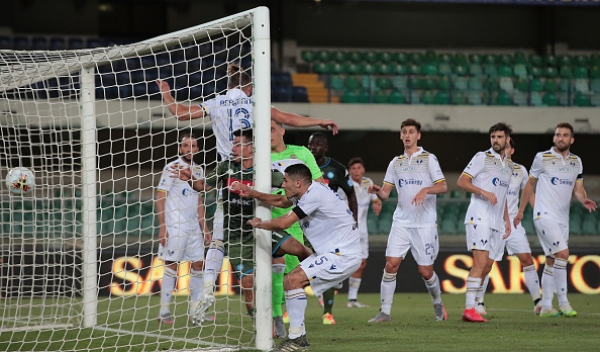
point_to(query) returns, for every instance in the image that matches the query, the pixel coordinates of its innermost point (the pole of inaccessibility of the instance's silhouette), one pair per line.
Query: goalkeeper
(239, 239)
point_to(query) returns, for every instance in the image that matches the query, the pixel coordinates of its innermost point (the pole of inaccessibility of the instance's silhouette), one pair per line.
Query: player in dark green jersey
(239, 236)
(336, 177)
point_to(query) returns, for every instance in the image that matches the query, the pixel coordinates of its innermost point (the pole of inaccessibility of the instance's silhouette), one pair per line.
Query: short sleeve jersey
(556, 179)
(489, 172)
(237, 210)
(364, 199)
(517, 183)
(409, 175)
(336, 176)
(327, 221)
(181, 204)
(228, 112)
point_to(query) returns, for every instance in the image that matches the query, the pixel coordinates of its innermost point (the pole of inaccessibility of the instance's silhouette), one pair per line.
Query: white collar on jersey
(558, 155)
(493, 152)
(419, 151)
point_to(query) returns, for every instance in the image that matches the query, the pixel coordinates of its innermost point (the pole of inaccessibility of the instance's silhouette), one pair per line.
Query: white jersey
(517, 183)
(492, 174)
(181, 204)
(327, 221)
(556, 179)
(364, 199)
(228, 112)
(411, 175)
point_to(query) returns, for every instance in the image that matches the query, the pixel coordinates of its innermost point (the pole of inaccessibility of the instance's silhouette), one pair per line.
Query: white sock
(195, 289)
(547, 287)
(388, 288)
(479, 296)
(532, 281)
(212, 266)
(353, 286)
(560, 281)
(433, 286)
(166, 291)
(473, 284)
(295, 301)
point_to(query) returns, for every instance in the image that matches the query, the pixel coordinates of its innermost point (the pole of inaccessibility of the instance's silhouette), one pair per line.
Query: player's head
(296, 180)
(317, 144)
(410, 132)
(238, 78)
(509, 151)
(242, 145)
(499, 136)
(356, 168)
(188, 146)
(277, 133)
(564, 136)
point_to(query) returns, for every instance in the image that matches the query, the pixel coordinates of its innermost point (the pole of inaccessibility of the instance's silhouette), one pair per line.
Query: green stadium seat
(580, 60)
(475, 83)
(364, 96)
(457, 194)
(385, 224)
(581, 100)
(550, 72)
(565, 99)
(384, 69)
(339, 56)
(448, 227)
(371, 56)
(564, 60)
(323, 56)
(520, 70)
(414, 69)
(566, 72)
(595, 71)
(520, 98)
(536, 60)
(460, 59)
(399, 82)
(430, 83)
(475, 98)
(401, 58)
(595, 101)
(460, 83)
(355, 56)
(427, 97)
(580, 72)
(380, 97)
(442, 98)
(445, 58)
(460, 70)
(459, 98)
(505, 71)
(491, 84)
(595, 85)
(520, 58)
(430, 69)
(550, 85)
(351, 68)
(536, 99)
(528, 226)
(352, 82)
(416, 58)
(504, 99)
(431, 57)
(489, 59)
(566, 85)
(490, 70)
(575, 227)
(383, 82)
(522, 85)
(396, 97)
(308, 55)
(372, 223)
(399, 69)
(550, 99)
(506, 83)
(336, 82)
(537, 85)
(444, 83)
(445, 69)
(323, 67)
(581, 85)
(415, 98)
(550, 60)
(367, 68)
(368, 82)
(386, 57)
(337, 68)
(505, 59)
(349, 97)
(536, 72)
(415, 83)
(595, 59)
(475, 69)
(475, 59)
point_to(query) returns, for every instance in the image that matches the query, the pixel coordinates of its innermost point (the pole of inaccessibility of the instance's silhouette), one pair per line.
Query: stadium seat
(520, 98)
(448, 227)
(442, 98)
(536, 99)
(368, 82)
(475, 83)
(364, 96)
(456, 194)
(386, 57)
(336, 82)
(414, 69)
(380, 97)
(581, 85)
(505, 71)
(337, 68)
(427, 97)
(355, 57)
(415, 98)
(490, 70)
(580, 72)
(385, 224)
(520, 70)
(352, 82)
(351, 68)
(564, 60)
(459, 98)
(323, 67)
(430, 57)
(491, 84)
(445, 58)
(595, 59)
(460, 59)
(94, 43)
(399, 82)
(323, 56)
(396, 97)
(475, 69)
(416, 58)
(535, 60)
(550, 60)
(5, 42)
(565, 99)
(581, 100)
(522, 85)
(444, 68)
(520, 58)
(415, 83)
(384, 69)
(429, 69)
(550, 99)
(475, 59)
(505, 59)
(475, 98)
(39, 43)
(461, 70)
(399, 69)
(460, 83)
(504, 99)
(444, 83)
(567, 85)
(371, 56)
(536, 85)
(489, 59)
(21, 43)
(565, 72)
(383, 82)
(367, 68)
(506, 83)
(349, 97)
(550, 72)
(550, 85)
(339, 56)
(595, 101)
(372, 223)
(430, 83)
(595, 85)
(299, 95)
(401, 58)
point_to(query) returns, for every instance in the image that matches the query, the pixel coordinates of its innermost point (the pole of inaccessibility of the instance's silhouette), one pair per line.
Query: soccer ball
(20, 180)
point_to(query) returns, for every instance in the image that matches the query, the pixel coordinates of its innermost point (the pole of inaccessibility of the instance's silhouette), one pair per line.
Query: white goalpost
(79, 263)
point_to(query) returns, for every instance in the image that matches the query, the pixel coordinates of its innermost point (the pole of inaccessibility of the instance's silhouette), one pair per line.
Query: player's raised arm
(271, 199)
(185, 174)
(277, 224)
(181, 111)
(296, 120)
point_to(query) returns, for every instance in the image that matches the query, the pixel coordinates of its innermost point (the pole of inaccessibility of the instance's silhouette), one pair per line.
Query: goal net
(79, 257)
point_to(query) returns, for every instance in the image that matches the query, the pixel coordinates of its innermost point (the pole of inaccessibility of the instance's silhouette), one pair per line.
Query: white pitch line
(525, 311)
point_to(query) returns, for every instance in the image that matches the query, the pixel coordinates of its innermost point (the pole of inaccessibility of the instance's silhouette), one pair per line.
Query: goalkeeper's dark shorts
(241, 255)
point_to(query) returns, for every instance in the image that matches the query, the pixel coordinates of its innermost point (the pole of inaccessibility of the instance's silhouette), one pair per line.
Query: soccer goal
(79, 265)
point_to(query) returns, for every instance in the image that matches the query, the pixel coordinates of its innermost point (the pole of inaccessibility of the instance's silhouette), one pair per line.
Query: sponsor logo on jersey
(186, 191)
(405, 182)
(561, 181)
(231, 181)
(407, 168)
(564, 169)
(513, 193)
(498, 182)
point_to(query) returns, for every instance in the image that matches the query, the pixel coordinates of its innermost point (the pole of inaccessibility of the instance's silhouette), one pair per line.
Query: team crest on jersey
(293, 156)
(330, 174)
(239, 267)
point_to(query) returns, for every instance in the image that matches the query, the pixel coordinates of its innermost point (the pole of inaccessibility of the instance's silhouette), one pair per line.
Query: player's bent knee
(426, 271)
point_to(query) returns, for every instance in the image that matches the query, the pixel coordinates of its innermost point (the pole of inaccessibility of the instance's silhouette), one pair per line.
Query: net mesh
(42, 307)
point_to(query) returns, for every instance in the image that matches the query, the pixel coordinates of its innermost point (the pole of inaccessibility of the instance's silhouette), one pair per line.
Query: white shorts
(553, 236)
(364, 244)
(516, 243)
(423, 243)
(327, 270)
(484, 238)
(218, 232)
(182, 245)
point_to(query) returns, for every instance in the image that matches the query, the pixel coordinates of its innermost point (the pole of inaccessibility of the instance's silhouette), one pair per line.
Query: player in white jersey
(417, 177)
(517, 243)
(356, 169)
(487, 178)
(182, 222)
(229, 112)
(555, 175)
(329, 225)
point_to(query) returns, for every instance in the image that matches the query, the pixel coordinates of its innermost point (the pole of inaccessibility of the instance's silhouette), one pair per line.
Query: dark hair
(319, 135)
(299, 172)
(512, 143)
(356, 160)
(243, 132)
(411, 122)
(237, 77)
(566, 125)
(501, 126)
(185, 135)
